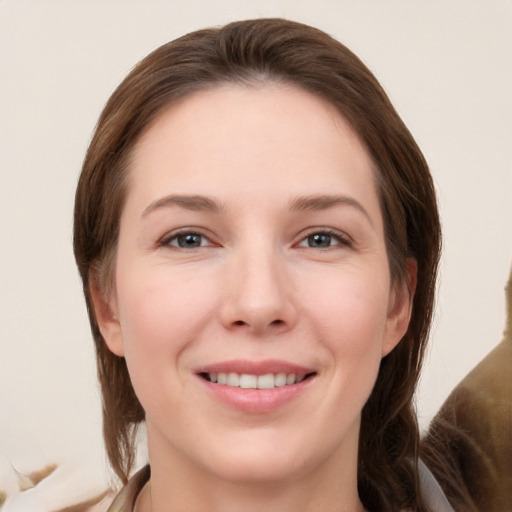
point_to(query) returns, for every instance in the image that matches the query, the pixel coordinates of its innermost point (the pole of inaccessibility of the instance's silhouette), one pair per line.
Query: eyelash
(167, 240)
(340, 238)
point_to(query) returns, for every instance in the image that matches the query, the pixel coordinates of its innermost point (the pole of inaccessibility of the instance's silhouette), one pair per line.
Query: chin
(258, 461)
(261, 470)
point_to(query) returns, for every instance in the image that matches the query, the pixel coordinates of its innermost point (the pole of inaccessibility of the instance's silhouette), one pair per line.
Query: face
(252, 298)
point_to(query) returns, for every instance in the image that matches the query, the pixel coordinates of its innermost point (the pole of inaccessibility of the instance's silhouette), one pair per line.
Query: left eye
(188, 240)
(320, 240)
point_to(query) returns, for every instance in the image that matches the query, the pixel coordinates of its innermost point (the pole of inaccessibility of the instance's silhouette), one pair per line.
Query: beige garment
(432, 494)
(125, 500)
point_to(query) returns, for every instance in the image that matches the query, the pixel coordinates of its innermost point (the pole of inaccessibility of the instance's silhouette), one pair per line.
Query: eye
(323, 240)
(186, 240)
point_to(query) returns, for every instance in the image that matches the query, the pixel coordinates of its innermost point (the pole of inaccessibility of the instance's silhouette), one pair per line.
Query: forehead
(245, 135)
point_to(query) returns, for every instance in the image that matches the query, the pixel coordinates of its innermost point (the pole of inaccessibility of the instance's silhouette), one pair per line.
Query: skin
(257, 287)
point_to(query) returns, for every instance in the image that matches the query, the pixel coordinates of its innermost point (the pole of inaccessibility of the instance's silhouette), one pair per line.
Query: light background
(447, 66)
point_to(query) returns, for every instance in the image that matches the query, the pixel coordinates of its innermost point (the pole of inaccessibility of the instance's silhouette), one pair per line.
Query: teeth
(280, 380)
(266, 381)
(233, 380)
(249, 381)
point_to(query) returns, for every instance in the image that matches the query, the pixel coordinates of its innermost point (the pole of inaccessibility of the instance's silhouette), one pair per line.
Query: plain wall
(447, 66)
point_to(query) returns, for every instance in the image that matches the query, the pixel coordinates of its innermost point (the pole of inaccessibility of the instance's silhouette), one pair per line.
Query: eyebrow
(201, 203)
(195, 203)
(324, 202)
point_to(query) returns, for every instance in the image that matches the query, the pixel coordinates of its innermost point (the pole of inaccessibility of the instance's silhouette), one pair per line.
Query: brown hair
(259, 51)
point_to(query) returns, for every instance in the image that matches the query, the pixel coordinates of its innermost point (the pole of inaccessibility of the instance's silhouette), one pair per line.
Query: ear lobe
(107, 316)
(400, 307)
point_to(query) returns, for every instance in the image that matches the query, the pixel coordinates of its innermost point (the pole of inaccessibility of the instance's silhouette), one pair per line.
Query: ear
(107, 315)
(400, 307)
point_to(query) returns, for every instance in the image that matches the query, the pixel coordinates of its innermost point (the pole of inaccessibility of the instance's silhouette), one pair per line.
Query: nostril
(240, 323)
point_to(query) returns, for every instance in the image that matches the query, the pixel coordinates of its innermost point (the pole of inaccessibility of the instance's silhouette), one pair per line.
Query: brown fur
(469, 443)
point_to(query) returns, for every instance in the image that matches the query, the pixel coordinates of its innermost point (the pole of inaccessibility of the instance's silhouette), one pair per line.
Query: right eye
(186, 240)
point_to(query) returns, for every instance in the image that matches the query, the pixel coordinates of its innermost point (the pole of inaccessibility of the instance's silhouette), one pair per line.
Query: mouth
(256, 386)
(253, 381)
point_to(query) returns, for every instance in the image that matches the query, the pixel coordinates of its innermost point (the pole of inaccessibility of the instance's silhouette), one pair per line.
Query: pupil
(319, 240)
(191, 240)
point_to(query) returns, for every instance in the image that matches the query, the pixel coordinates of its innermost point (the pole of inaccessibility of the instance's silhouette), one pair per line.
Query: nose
(259, 296)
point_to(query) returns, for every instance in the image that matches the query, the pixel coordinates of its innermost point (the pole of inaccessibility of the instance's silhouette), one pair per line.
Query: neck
(178, 485)
(234, 498)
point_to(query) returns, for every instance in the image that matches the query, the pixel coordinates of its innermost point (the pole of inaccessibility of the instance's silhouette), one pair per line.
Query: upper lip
(241, 366)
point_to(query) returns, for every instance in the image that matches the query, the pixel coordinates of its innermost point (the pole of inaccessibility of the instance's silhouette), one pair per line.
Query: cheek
(160, 316)
(154, 314)
(352, 318)
(158, 320)
(353, 309)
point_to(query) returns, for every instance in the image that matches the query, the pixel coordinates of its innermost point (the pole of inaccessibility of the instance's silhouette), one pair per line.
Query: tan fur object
(41, 474)
(97, 503)
(473, 433)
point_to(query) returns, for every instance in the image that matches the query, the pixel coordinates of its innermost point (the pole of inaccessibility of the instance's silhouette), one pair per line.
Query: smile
(251, 381)
(256, 386)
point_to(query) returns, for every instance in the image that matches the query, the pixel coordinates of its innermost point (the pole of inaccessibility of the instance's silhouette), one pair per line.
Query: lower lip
(257, 400)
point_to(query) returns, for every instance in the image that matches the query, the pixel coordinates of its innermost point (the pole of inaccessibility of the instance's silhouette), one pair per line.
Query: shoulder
(431, 491)
(433, 496)
(125, 500)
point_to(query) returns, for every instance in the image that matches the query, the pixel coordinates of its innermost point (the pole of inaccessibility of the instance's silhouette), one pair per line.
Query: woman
(258, 238)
